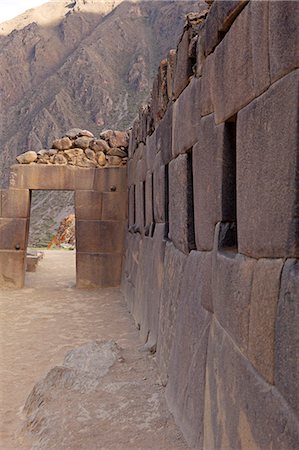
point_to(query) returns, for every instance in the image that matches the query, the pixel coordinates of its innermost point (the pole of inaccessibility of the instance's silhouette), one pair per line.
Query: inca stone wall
(95, 170)
(211, 272)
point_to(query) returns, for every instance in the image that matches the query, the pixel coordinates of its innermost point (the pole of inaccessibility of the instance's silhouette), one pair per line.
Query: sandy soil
(124, 409)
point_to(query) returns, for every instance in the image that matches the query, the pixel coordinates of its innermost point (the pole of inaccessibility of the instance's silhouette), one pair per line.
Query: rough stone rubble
(81, 148)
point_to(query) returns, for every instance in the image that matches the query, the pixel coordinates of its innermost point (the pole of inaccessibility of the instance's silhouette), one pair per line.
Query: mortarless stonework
(227, 339)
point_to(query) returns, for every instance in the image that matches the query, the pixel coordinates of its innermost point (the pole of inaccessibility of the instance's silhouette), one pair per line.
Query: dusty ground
(122, 409)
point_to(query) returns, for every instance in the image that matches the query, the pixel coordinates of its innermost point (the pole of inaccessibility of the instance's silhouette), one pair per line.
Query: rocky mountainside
(83, 63)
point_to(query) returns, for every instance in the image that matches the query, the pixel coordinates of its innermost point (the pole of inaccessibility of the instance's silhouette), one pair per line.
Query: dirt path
(117, 404)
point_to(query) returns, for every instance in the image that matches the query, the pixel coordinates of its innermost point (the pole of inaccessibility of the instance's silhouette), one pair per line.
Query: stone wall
(211, 272)
(101, 217)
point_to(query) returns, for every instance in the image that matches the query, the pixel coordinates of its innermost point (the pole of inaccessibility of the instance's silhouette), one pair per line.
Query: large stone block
(213, 181)
(140, 206)
(15, 203)
(186, 118)
(221, 16)
(150, 153)
(263, 307)
(181, 221)
(159, 186)
(110, 179)
(232, 283)
(98, 270)
(12, 269)
(13, 234)
(206, 95)
(283, 38)
(131, 268)
(287, 335)
(88, 205)
(164, 136)
(183, 65)
(94, 236)
(242, 411)
(267, 172)
(139, 308)
(150, 322)
(174, 263)
(44, 177)
(149, 210)
(131, 206)
(115, 206)
(241, 70)
(187, 363)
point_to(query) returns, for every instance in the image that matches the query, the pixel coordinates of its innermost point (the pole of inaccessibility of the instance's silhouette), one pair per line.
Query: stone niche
(101, 215)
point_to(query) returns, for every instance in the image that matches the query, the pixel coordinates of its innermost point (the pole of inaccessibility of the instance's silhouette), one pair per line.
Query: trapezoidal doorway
(101, 214)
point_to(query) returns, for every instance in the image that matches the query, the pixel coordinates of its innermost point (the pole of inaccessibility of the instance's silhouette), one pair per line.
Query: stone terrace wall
(212, 272)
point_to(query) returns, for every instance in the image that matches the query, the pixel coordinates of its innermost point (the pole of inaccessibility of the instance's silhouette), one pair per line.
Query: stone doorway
(101, 214)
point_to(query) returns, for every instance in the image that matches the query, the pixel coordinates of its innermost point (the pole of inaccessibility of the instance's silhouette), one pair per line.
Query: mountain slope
(86, 64)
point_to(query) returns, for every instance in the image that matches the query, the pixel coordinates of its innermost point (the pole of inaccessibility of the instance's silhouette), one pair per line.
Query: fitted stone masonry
(101, 215)
(227, 301)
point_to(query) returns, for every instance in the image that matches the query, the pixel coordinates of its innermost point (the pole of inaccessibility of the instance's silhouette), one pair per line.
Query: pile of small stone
(80, 148)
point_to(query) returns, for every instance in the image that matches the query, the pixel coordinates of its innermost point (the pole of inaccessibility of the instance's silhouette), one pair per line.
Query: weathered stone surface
(96, 236)
(241, 409)
(99, 145)
(220, 17)
(42, 177)
(27, 157)
(85, 133)
(98, 270)
(149, 153)
(12, 269)
(174, 263)
(149, 210)
(88, 205)
(186, 118)
(131, 206)
(82, 142)
(200, 54)
(213, 181)
(139, 300)
(85, 178)
(187, 363)
(206, 94)
(13, 234)
(90, 154)
(110, 179)
(170, 69)
(115, 206)
(106, 134)
(263, 307)
(183, 66)
(59, 159)
(164, 136)
(102, 159)
(267, 180)
(232, 282)
(140, 211)
(62, 144)
(117, 152)
(73, 133)
(181, 226)
(283, 38)
(287, 335)
(114, 160)
(241, 70)
(159, 181)
(15, 203)
(148, 286)
(118, 139)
